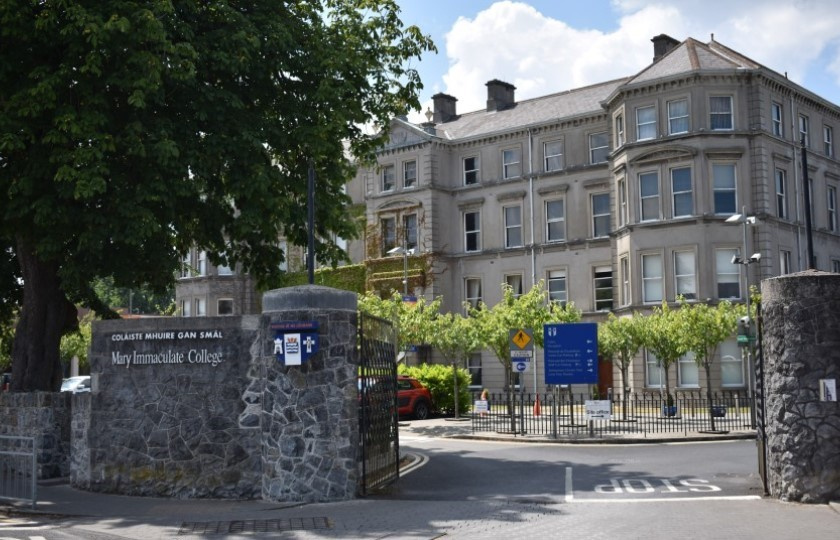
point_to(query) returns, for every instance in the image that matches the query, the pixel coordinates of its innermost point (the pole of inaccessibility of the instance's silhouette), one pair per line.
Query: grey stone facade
(310, 412)
(177, 425)
(201, 407)
(801, 340)
(46, 417)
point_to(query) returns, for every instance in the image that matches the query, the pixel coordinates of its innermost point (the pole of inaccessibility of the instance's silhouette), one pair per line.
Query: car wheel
(421, 410)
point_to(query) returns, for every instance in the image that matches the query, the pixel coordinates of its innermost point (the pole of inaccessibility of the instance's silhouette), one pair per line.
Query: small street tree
(413, 321)
(619, 340)
(704, 328)
(663, 339)
(456, 338)
(530, 310)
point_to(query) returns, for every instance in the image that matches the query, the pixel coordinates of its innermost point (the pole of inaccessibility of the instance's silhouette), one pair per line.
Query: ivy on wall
(381, 275)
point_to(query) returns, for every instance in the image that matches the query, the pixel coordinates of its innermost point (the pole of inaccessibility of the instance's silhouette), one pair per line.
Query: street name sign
(571, 353)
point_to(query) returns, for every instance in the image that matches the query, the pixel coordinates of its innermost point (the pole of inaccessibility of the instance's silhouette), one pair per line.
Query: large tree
(131, 130)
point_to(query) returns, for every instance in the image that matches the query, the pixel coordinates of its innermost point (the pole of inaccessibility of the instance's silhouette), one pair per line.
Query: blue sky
(545, 46)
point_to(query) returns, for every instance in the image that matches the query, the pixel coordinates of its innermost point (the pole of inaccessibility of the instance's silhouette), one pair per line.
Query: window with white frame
(781, 194)
(784, 262)
(723, 179)
(776, 119)
(284, 264)
(474, 367)
(619, 131)
(511, 163)
(652, 278)
(804, 128)
(599, 147)
(410, 231)
(678, 116)
(602, 282)
(600, 215)
(685, 281)
(553, 152)
(513, 226)
(731, 364)
(654, 374)
(186, 265)
(720, 113)
(388, 178)
(470, 170)
(201, 263)
(389, 234)
(828, 141)
(555, 220)
(624, 269)
(200, 307)
(223, 270)
(224, 306)
(514, 281)
(186, 308)
(728, 273)
(557, 286)
(835, 266)
(472, 231)
(681, 192)
(409, 174)
(831, 201)
(472, 291)
(645, 123)
(649, 196)
(622, 202)
(688, 376)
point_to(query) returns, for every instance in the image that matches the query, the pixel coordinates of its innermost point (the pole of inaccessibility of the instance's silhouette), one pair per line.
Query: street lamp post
(746, 220)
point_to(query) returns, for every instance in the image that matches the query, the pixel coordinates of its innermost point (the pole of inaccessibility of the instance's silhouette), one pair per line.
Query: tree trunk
(708, 368)
(45, 316)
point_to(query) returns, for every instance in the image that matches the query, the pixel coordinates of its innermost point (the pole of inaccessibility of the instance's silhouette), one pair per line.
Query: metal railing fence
(561, 414)
(18, 473)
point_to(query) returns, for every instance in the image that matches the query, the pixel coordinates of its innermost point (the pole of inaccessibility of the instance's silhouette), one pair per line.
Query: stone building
(616, 195)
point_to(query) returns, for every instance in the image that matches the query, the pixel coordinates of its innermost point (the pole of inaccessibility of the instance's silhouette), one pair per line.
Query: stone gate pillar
(801, 340)
(310, 417)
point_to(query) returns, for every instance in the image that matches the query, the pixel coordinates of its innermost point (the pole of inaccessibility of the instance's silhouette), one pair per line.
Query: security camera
(755, 257)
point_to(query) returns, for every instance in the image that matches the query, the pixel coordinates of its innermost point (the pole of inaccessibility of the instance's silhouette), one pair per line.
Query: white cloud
(514, 42)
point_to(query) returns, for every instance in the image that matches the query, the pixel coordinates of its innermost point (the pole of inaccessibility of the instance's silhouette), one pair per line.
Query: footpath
(82, 514)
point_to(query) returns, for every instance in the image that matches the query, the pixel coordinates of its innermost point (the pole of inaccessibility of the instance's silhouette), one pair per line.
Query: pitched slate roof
(568, 104)
(691, 55)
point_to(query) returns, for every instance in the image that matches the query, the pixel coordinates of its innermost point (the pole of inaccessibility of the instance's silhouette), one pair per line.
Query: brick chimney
(662, 45)
(444, 108)
(499, 95)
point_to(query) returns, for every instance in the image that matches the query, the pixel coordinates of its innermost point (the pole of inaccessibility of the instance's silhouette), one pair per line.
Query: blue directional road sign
(571, 353)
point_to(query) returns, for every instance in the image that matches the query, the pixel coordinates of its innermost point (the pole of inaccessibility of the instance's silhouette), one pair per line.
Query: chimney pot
(444, 108)
(662, 45)
(500, 95)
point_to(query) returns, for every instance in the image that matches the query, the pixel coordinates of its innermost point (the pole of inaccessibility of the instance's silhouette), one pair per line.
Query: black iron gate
(378, 436)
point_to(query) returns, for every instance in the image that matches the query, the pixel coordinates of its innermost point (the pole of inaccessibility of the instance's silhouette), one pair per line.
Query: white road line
(570, 493)
(421, 459)
(676, 499)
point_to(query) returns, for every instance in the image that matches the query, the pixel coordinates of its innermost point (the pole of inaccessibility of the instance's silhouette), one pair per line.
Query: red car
(413, 399)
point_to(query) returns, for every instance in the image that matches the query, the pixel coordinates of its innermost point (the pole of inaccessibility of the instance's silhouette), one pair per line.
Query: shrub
(438, 379)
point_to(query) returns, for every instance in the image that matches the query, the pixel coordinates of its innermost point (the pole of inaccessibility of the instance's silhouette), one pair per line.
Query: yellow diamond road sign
(521, 339)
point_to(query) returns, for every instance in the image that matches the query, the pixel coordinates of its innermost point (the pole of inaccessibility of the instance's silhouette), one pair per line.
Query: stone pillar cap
(309, 297)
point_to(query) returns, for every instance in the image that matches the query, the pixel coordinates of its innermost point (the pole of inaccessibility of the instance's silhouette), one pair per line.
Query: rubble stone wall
(801, 341)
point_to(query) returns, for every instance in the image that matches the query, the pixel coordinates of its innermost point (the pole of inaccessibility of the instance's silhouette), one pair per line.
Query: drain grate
(254, 525)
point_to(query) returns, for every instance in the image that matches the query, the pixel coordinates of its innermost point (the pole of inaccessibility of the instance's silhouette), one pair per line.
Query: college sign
(295, 341)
